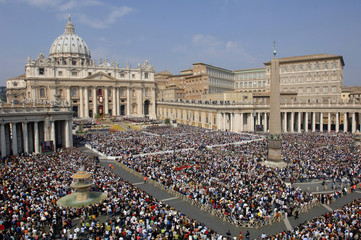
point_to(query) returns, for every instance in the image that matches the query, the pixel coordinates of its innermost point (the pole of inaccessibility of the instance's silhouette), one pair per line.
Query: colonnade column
(299, 121)
(313, 116)
(285, 122)
(26, 137)
(3, 140)
(241, 120)
(36, 137)
(337, 127)
(236, 121)
(81, 102)
(321, 121)
(219, 121)
(353, 126)
(106, 104)
(95, 102)
(265, 122)
(306, 122)
(259, 119)
(53, 138)
(15, 139)
(86, 103)
(292, 122)
(345, 123)
(329, 122)
(68, 135)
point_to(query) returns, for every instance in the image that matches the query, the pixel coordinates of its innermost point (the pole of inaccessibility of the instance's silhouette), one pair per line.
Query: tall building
(92, 89)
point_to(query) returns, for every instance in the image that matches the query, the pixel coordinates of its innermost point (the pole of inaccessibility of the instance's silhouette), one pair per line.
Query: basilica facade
(91, 89)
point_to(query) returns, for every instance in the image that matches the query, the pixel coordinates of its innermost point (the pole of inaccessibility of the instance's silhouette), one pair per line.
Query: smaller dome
(69, 44)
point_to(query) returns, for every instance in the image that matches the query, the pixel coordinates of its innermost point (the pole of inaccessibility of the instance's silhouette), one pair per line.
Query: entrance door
(146, 107)
(100, 110)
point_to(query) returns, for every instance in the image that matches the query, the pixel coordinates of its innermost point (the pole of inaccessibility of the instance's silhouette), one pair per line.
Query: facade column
(106, 103)
(128, 113)
(329, 122)
(36, 137)
(26, 137)
(114, 111)
(258, 119)
(15, 139)
(241, 120)
(265, 122)
(299, 121)
(292, 122)
(53, 137)
(321, 121)
(313, 116)
(140, 102)
(81, 102)
(118, 101)
(306, 122)
(86, 103)
(345, 122)
(3, 140)
(337, 127)
(94, 102)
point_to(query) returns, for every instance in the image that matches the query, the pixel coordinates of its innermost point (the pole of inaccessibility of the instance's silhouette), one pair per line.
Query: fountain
(81, 195)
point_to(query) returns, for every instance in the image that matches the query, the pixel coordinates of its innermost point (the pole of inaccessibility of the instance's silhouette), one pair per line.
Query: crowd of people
(343, 223)
(158, 139)
(232, 180)
(229, 179)
(31, 185)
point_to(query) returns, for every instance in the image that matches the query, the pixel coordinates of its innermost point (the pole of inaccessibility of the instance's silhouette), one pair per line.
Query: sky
(174, 34)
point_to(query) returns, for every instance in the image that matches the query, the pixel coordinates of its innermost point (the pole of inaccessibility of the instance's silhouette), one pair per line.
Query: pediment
(99, 76)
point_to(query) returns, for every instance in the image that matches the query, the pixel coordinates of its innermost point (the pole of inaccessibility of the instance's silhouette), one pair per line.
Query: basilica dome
(69, 45)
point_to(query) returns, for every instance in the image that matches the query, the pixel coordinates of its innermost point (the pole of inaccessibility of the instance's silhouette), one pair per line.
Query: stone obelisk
(275, 137)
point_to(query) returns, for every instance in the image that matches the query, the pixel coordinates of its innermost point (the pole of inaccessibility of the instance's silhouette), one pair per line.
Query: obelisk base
(274, 150)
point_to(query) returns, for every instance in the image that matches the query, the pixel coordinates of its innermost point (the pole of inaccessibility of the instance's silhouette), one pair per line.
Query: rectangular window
(334, 89)
(133, 75)
(41, 71)
(122, 92)
(89, 73)
(146, 75)
(122, 75)
(74, 92)
(60, 73)
(325, 89)
(42, 92)
(74, 73)
(109, 74)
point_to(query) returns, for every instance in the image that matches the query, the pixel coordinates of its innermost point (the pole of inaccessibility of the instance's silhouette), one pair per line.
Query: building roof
(214, 67)
(306, 58)
(18, 77)
(163, 73)
(250, 70)
(69, 44)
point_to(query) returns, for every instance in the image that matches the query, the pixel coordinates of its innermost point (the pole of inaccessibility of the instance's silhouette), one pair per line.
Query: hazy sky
(173, 34)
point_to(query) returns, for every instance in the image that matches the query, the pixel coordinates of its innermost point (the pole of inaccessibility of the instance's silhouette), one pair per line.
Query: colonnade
(34, 131)
(241, 118)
